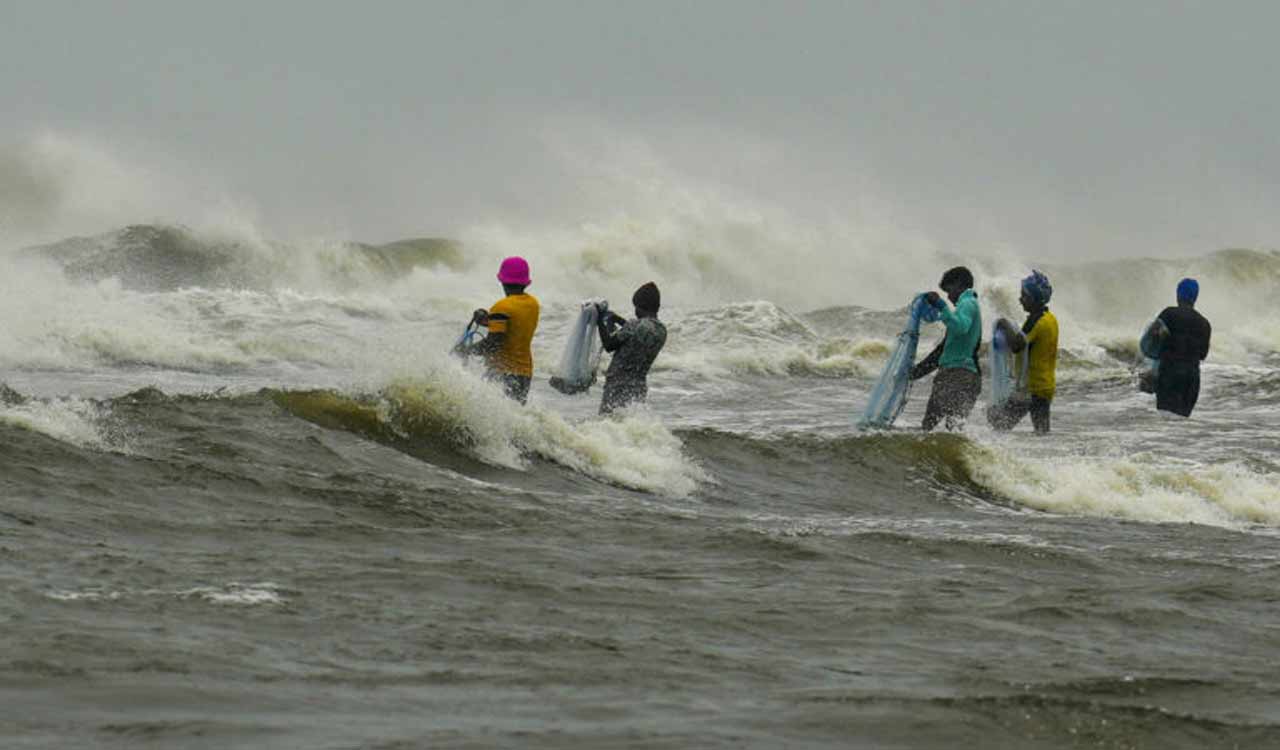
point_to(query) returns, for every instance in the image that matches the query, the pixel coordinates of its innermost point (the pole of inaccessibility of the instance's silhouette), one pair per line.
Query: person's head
(1036, 291)
(1188, 292)
(647, 300)
(513, 274)
(955, 281)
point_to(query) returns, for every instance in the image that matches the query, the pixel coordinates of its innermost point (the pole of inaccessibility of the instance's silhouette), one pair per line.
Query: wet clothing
(930, 362)
(1178, 380)
(959, 380)
(1041, 332)
(964, 332)
(1188, 339)
(1178, 387)
(516, 317)
(955, 391)
(1039, 382)
(1007, 416)
(634, 347)
(516, 387)
(619, 394)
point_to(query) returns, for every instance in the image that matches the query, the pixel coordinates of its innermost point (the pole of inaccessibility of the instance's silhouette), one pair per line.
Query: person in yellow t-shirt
(1039, 336)
(512, 322)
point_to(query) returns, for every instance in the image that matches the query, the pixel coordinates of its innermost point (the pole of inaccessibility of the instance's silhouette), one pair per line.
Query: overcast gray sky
(1052, 128)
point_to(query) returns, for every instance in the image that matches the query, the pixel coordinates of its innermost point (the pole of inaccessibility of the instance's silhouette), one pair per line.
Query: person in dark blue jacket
(1183, 348)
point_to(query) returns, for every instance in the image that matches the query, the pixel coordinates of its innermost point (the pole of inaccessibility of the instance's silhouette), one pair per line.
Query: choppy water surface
(260, 509)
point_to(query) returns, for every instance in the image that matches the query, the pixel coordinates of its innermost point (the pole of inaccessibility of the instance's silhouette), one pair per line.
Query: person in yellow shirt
(512, 322)
(1039, 336)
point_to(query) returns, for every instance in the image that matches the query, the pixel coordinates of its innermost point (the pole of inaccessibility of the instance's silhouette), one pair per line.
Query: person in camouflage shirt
(634, 346)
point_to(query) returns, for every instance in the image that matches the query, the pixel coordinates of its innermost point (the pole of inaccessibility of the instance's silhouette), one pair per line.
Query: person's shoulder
(517, 302)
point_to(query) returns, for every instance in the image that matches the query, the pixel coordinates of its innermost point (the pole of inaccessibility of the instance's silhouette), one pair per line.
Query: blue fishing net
(468, 336)
(1151, 344)
(889, 396)
(1008, 370)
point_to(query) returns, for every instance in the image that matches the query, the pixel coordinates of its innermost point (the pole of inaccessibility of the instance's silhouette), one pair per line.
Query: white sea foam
(68, 419)
(634, 450)
(1136, 487)
(86, 595)
(716, 252)
(233, 593)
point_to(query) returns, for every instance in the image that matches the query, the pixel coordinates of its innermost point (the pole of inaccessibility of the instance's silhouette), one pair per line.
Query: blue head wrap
(1037, 287)
(1188, 290)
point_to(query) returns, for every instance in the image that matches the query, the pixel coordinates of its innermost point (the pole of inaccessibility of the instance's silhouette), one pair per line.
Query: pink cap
(514, 270)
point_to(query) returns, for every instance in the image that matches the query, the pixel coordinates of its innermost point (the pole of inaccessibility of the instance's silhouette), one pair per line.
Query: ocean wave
(163, 296)
(452, 410)
(888, 457)
(158, 257)
(80, 422)
(1136, 488)
(966, 470)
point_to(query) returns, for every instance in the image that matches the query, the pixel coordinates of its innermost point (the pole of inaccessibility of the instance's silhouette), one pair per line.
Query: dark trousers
(955, 391)
(516, 387)
(1006, 417)
(1178, 387)
(622, 392)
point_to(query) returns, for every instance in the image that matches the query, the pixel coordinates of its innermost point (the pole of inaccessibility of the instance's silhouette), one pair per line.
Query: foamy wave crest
(197, 330)
(79, 422)
(102, 323)
(452, 406)
(234, 593)
(1228, 495)
(635, 451)
(160, 257)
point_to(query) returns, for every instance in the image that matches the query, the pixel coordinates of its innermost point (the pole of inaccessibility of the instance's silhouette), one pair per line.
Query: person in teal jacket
(959, 381)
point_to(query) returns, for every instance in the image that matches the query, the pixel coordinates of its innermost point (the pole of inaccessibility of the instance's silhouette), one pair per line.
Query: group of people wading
(512, 320)
(1182, 334)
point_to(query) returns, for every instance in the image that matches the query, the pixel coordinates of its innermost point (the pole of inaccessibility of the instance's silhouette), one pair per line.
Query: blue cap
(1188, 290)
(1037, 287)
